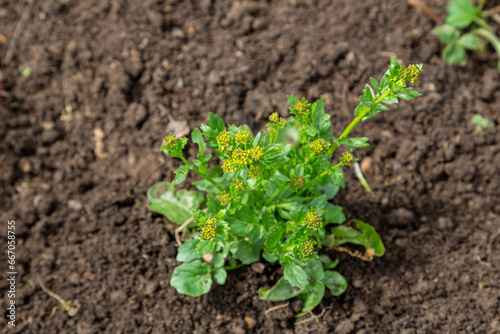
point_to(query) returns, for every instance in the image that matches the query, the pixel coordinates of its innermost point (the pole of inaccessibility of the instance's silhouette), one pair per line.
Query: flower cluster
(306, 248)
(298, 182)
(319, 145)
(346, 158)
(208, 231)
(256, 153)
(242, 137)
(280, 121)
(313, 219)
(411, 74)
(170, 141)
(224, 198)
(224, 141)
(238, 184)
(254, 172)
(241, 158)
(302, 108)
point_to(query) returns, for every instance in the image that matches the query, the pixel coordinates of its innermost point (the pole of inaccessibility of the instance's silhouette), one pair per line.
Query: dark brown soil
(80, 147)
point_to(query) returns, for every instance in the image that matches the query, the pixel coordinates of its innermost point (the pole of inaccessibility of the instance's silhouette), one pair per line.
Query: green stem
(480, 4)
(355, 122)
(482, 23)
(233, 267)
(491, 37)
(317, 178)
(270, 199)
(200, 173)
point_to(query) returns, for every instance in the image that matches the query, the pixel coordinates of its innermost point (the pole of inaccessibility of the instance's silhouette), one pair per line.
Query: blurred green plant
(466, 29)
(481, 123)
(270, 194)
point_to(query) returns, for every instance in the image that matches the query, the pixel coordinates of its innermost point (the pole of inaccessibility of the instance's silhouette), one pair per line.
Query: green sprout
(466, 29)
(271, 196)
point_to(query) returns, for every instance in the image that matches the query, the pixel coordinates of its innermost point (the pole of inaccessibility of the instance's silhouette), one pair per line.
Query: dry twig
(425, 8)
(17, 31)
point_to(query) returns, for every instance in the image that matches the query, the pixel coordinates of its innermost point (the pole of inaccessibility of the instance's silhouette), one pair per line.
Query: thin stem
(200, 173)
(355, 122)
(480, 4)
(270, 199)
(317, 178)
(491, 37)
(233, 267)
(482, 23)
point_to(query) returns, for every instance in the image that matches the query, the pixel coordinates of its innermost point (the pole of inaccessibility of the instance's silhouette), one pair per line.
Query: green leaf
(327, 262)
(471, 42)
(319, 202)
(481, 123)
(372, 236)
(220, 276)
(446, 33)
(314, 269)
(270, 257)
(239, 227)
(461, 13)
(292, 100)
(205, 185)
(335, 282)
(192, 278)
(273, 237)
(368, 237)
(246, 252)
(180, 174)
(282, 290)
(295, 275)
(256, 234)
(197, 138)
(311, 297)
(218, 260)
(206, 246)
(375, 84)
(334, 214)
(187, 251)
(338, 177)
(216, 123)
(177, 207)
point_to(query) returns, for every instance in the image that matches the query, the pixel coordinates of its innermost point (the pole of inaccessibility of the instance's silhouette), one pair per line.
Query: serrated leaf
(334, 214)
(273, 237)
(311, 297)
(206, 246)
(375, 84)
(282, 290)
(177, 207)
(220, 276)
(256, 234)
(366, 101)
(187, 251)
(180, 174)
(338, 177)
(335, 282)
(295, 275)
(197, 138)
(319, 202)
(454, 53)
(292, 100)
(192, 278)
(216, 123)
(446, 33)
(471, 42)
(461, 13)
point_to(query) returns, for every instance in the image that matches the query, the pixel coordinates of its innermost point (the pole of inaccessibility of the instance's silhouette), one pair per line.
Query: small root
(69, 306)
(275, 308)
